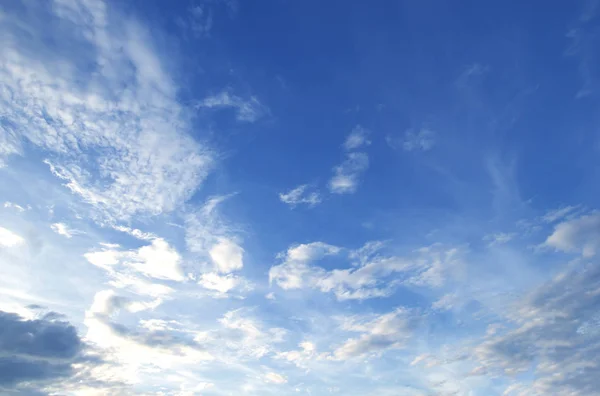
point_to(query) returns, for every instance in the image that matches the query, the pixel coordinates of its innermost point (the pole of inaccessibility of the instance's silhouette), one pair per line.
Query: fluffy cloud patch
(157, 260)
(275, 378)
(227, 256)
(421, 140)
(64, 230)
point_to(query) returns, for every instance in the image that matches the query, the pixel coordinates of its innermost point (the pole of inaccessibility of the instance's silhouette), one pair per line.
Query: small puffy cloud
(246, 110)
(357, 138)
(378, 334)
(347, 175)
(9, 238)
(64, 230)
(421, 140)
(581, 234)
(275, 378)
(301, 195)
(227, 256)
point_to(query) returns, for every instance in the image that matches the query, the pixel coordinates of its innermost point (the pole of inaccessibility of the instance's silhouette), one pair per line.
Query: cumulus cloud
(227, 256)
(357, 138)
(222, 284)
(347, 175)
(101, 103)
(581, 235)
(246, 110)
(9, 239)
(301, 195)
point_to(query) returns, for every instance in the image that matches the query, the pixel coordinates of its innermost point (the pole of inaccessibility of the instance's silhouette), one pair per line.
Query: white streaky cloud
(357, 138)
(227, 256)
(377, 335)
(12, 205)
(246, 110)
(581, 235)
(275, 378)
(447, 302)
(499, 238)
(10, 239)
(421, 140)
(301, 195)
(347, 175)
(205, 228)
(559, 214)
(64, 230)
(115, 131)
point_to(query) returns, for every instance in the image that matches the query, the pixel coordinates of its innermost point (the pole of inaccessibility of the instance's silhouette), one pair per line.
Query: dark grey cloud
(39, 350)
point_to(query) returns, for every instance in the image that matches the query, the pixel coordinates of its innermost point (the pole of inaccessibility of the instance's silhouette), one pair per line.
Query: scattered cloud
(357, 138)
(64, 230)
(246, 110)
(581, 234)
(499, 238)
(377, 335)
(301, 195)
(347, 175)
(275, 378)
(11, 205)
(422, 140)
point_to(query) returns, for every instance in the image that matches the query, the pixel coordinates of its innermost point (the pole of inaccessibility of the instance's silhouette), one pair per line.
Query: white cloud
(11, 205)
(357, 138)
(246, 110)
(275, 378)
(300, 195)
(581, 234)
(378, 334)
(347, 175)
(227, 256)
(64, 230)
(558, 214)
(157, 260)
(221, 283)
(124, 108)
(9, 238)
(421, 140)
(371, 277)
(499, 238)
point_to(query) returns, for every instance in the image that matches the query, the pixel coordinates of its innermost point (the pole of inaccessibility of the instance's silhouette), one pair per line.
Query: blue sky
(224, 197)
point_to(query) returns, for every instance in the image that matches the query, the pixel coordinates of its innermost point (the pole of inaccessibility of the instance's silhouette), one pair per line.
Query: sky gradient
(226, 197)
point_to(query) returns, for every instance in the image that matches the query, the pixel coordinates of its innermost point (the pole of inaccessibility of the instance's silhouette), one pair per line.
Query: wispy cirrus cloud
(246, 110)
